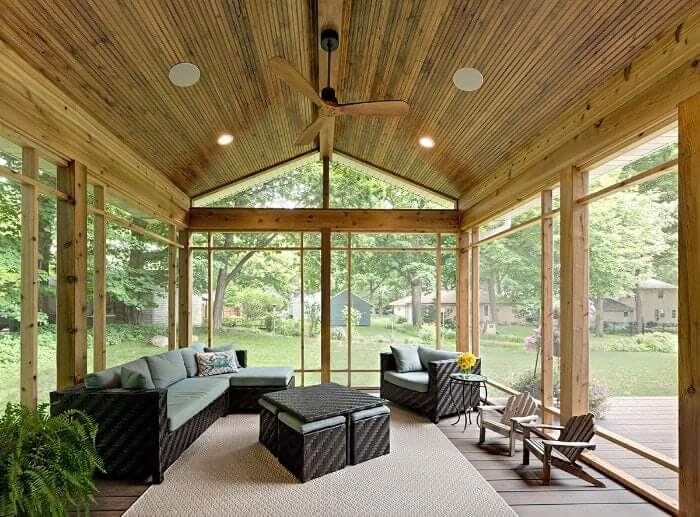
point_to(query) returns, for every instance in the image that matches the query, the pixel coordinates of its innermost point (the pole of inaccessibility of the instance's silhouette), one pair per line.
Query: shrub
(652, 342)
(230, 322)
(598, 394)
(427, 335)
(401, 320)
(287, 327)
(47, 463)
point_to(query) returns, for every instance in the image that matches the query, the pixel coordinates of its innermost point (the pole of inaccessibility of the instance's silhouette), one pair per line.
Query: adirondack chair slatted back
(521, 404)
(579, 428)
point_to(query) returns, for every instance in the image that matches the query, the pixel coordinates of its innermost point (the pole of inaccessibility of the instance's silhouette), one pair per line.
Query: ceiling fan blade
(375, 108)
(293, 78)
(307, 136)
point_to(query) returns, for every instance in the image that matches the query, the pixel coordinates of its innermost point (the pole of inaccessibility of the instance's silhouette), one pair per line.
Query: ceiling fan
(329, 108)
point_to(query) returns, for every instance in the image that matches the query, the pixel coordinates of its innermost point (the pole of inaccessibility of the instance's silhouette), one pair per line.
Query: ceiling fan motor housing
(329, 40)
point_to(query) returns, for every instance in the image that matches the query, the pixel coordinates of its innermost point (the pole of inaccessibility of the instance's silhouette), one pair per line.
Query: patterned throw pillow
(214, 363)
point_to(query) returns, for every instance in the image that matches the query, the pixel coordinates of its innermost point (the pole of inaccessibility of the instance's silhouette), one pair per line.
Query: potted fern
(46, 462)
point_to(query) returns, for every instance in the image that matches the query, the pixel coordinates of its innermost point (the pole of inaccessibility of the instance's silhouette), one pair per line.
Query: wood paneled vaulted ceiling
(538, 57)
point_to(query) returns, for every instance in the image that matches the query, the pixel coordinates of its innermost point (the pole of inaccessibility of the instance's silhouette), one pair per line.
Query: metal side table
(467, 384)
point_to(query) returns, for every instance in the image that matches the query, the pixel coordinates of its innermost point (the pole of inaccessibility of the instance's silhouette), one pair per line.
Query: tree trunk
(416, 306)
(136, 263)
(599, 308)
(493, 306)
(638, 311)
(224, 278)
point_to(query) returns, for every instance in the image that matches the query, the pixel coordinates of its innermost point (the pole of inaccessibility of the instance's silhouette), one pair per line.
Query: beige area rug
(227, 472)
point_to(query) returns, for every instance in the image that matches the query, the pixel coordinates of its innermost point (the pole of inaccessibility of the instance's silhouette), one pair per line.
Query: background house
(448, 307)
(659, 305)
(338, 303)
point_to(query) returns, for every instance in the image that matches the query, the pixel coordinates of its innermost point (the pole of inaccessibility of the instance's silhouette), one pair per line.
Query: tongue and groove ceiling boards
(537, 57)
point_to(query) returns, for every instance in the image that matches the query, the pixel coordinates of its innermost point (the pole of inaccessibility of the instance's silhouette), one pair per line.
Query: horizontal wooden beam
(133, 227)
(313, 219)
(42, 115)
(26, 180)
(647, 175)
(631, 104)
(509, 231)
(637, 486)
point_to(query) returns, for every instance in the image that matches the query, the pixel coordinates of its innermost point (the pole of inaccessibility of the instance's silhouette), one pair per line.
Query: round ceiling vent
(468, 79)
(184, 74)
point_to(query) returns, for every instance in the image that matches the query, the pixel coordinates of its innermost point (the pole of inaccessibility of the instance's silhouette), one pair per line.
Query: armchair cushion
(407, 359)
(429, 354)
(414, 381)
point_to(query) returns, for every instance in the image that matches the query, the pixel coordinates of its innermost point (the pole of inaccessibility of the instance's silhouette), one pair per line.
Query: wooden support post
(185, 291)
(475, 289)
(463, 297)
(71, 276)
(573, 319)
(325, 305)
(546, 307)
(29, 280)
(689, 305)
(172, 290)
(350, 307)
(210, 291)
(438, 293)
(99, 281)
(302, 307)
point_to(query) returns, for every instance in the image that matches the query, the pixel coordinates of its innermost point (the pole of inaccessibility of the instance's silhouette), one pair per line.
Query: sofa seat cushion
(189, 396)
(414, 381)
(260, 376)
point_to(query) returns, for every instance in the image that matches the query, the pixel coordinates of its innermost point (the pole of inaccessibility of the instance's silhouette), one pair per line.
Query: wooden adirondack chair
(574, 438)
(519, 409)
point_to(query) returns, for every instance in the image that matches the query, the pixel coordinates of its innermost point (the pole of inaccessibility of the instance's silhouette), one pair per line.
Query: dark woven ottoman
(268, 425)
(368, 434)
(314, 449)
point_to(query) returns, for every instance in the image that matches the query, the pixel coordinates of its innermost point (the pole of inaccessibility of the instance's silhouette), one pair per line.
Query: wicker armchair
(436, 402)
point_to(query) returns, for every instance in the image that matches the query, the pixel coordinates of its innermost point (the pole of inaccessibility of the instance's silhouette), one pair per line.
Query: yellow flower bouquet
(466, 362)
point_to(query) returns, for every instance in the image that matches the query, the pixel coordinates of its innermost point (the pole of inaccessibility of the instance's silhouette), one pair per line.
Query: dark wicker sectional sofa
(435, 402)
(134, 439)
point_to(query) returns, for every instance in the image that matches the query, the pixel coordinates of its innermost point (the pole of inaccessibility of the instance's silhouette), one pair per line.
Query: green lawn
(503, 355)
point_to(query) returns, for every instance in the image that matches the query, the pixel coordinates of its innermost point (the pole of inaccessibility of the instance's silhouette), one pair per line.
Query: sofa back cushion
(407, 359)
(188, 357)
(133, 380)
(430, 354)
(105, 379)
(140, 366)
(167, 368)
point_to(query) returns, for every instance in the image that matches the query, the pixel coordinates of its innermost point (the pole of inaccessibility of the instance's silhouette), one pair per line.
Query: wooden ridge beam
(313, 219)
(629, 105)
(36, 109)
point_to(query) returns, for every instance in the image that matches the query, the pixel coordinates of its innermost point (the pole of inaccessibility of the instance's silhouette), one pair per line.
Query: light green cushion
(188, 397)
(407, 359)
(167, 368)
(261, 376)
(308, 427)
(369, 413)
(269, 406)
(133, 380)
(141, 366)
(104, 379)
(430, 354)
(415, 381)
(188, 357)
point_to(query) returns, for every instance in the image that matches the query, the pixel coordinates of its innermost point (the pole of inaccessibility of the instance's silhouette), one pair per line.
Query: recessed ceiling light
(468, 79)
(184, 74)
(426, 141)
(224, 139)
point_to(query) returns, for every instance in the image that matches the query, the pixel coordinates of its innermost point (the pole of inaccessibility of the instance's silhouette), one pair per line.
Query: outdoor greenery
(256, 288)
(46, 463)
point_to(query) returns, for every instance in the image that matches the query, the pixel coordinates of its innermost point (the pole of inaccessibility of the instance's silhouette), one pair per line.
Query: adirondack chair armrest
(490, 408)
(518, 421)
(572, 445)
(544, 426)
